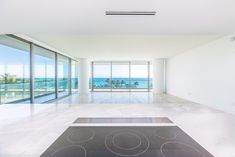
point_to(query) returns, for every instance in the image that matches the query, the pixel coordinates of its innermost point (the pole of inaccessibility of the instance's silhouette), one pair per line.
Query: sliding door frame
(129, 89)
(32, 71)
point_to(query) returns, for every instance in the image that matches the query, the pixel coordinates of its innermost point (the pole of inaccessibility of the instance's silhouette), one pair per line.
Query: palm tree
(136, 84)
(7, 78)
(123, 82)
(118, 83)
(107, 81)
(113, 83)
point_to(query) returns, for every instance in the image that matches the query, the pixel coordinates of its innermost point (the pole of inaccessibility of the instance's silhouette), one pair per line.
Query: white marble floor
(28, 130)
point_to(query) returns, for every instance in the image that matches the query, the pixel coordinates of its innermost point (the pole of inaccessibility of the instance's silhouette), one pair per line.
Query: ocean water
(39, 83)
(138, 83)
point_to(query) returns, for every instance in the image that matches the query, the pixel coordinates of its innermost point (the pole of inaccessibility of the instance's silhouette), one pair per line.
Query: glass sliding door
(14, 70)
(74, 76)
(139, 76)
(150, 76)
(51, 72)
(44, 75)
(120, 76)
(101, 76)
(63, 75)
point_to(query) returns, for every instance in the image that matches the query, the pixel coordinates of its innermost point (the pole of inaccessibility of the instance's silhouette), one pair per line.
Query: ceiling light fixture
(130, 12)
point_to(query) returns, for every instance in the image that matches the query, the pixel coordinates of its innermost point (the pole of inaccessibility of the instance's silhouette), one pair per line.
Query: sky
(120, 71)
(16, 62)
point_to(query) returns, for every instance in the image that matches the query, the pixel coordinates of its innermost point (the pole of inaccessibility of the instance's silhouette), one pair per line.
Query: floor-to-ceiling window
(139, 76)
(121, 76)
(32, 73)
(63, 75)
(150, 76)
(101, 76)
(74, 76)
(44, 75)
(14, 70)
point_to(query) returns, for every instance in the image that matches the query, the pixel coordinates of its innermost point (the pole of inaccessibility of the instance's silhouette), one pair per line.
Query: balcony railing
(11, 92)
(14, 91)
(122, 83)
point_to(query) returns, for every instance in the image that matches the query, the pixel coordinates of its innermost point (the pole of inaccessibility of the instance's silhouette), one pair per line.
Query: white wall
(84, 70)
(158, 76)
(205, 74)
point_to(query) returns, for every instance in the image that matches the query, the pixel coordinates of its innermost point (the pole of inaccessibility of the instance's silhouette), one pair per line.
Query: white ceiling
(81, 29)
(87, 16)
(123, 47)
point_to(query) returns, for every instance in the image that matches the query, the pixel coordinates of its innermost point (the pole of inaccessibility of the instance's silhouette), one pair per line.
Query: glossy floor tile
(28, 130)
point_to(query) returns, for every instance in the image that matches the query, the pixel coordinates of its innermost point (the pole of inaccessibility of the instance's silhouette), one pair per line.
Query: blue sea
(139, 83)
(103, 83)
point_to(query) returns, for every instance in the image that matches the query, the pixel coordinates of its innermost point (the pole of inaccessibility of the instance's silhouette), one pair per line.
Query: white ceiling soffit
(88, 16)
(123, 47)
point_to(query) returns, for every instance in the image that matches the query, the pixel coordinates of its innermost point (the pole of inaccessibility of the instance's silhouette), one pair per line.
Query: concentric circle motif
(165, 134)
(71, 151)
(80, 135)
(173, 149)
(136, 141)
(126, 142)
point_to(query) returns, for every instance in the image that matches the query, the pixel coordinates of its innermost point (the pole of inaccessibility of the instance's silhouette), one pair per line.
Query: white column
(84, 70)
(158, 76)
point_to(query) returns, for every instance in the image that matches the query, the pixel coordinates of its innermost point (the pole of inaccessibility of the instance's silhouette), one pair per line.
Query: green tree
(136, 84)
(123, 82)
(107, 81)
(118, 83)
(7, 78)
(113, 83)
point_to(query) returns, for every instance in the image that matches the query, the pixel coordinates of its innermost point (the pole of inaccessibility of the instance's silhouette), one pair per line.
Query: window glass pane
(101, 76)
(63, 76)
(139, 76)
(74, 77)
(120, 76)
(151, 76)
(14, 70)
(44, 75)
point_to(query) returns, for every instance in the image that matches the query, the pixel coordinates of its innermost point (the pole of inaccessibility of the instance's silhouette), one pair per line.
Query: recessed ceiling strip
(130, 12)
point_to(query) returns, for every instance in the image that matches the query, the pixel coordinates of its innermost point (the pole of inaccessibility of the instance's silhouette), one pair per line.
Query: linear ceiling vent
(130, 13)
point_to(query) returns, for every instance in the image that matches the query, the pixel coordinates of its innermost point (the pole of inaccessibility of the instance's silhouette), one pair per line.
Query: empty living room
(117, 78)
